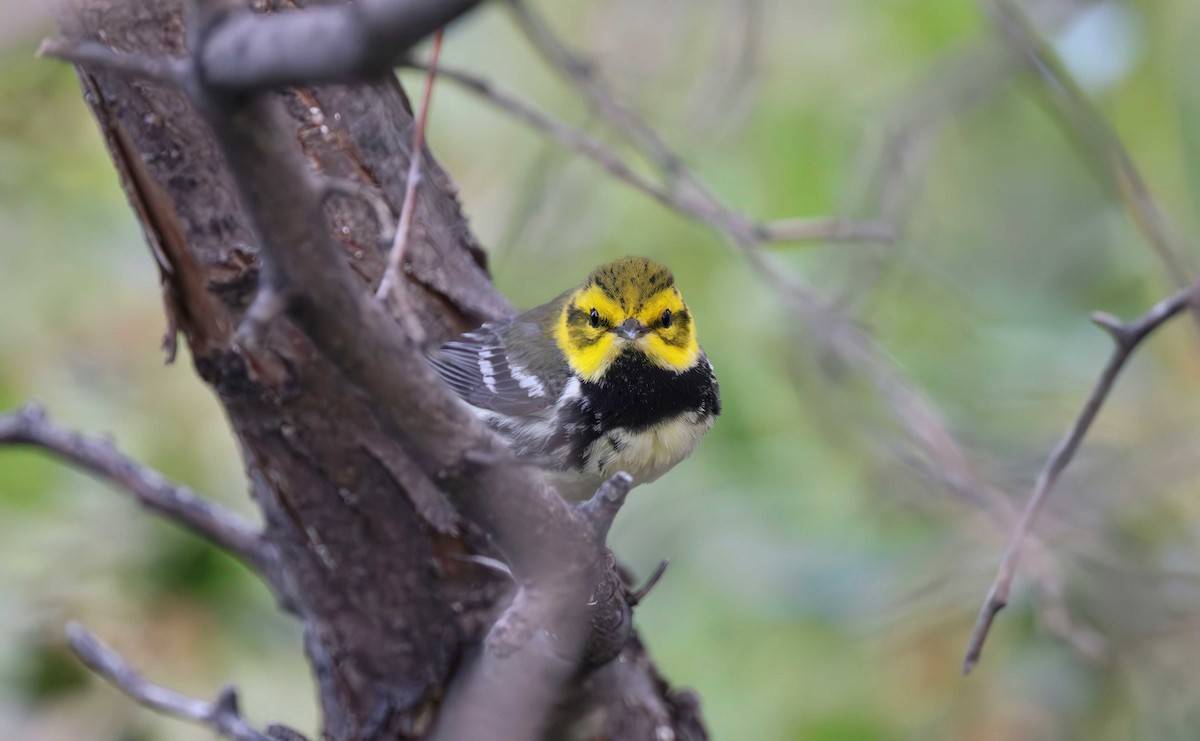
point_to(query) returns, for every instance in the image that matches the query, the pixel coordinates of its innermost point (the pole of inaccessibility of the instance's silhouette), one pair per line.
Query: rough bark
(370, 548)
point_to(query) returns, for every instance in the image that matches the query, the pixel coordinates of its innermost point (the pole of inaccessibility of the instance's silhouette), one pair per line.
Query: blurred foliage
(821, 587)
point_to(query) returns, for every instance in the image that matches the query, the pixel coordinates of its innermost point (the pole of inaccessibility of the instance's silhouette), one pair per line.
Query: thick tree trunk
(369, 549)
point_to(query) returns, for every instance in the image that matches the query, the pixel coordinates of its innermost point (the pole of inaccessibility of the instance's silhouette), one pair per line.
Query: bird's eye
(666, 318)
(594, 319)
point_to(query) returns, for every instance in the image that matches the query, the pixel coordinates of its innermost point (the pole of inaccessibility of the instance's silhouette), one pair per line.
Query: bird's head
(630, 305)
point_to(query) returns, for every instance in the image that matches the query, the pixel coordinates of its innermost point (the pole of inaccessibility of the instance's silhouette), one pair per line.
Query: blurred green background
(822, 585)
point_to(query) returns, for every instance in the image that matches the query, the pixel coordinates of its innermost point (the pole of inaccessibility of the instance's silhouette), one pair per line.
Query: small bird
(606, 377)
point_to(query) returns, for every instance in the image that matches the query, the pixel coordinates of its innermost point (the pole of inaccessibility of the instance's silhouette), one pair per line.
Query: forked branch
(222, 716)
(31, 426)
(1126, 338)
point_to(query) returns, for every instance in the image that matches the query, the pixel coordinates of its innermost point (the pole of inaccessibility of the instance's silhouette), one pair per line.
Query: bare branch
(636, 596)
(700, 207)
(135, 66)
(685, 191)
(569, 136)
(391, 287)
(222, 716)
(246, 51)
(30, 426)
(582, 75)
(1126, 339)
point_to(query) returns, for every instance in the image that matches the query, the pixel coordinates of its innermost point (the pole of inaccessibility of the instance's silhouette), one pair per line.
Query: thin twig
(168, 71)
(389, 287)
(685, 190)
(582, 75)
(222, 716)
(702, 208)
(30, 426)
(636, 596)
(1126, 338)
(494, 565)
(569, 136)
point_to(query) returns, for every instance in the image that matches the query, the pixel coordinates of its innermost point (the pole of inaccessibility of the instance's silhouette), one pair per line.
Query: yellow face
(630, 305)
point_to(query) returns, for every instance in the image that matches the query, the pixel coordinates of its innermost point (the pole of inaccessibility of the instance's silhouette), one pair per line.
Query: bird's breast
(649, 452)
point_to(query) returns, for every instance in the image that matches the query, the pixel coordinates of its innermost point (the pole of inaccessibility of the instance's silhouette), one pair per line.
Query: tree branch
(246, 51)
(1126, 338)
(222, 716)
(582, 75)
(637, 596)
(135, 66)
(703, 208)
(391, 289)
(30, 426)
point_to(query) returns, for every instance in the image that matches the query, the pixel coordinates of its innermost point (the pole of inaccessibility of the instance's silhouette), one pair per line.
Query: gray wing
(497, 368)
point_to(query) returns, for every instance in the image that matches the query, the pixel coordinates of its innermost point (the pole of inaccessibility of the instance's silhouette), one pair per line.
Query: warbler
(606, 377)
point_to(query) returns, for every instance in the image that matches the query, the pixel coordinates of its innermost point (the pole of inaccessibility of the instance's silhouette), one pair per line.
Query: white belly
(645, 455)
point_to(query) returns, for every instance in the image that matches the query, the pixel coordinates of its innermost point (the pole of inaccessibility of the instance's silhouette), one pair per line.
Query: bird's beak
(630, 329)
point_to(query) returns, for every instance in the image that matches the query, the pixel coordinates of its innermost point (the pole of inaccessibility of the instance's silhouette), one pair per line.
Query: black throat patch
(636, 394)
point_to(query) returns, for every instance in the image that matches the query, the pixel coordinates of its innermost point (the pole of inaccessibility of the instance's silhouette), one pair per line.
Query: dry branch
(390, 287)
(30, 426)
(702, 208)
(222, 716)
(1126, 338)
(246, 52)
